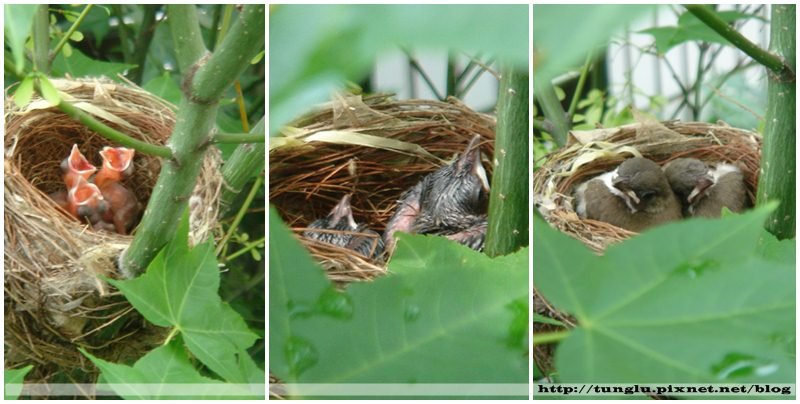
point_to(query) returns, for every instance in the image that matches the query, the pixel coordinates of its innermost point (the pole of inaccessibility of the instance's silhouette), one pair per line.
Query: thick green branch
(508, 202)
(239, 138)
(186, 35)
(196, 118)
(41, 40)
(776, 181)
(241, 44)
(551, 107)
(768, 59)
(246, 162)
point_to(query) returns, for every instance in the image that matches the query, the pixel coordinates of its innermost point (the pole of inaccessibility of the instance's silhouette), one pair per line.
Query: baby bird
(340, 229)
(123, 207)
(704, 191)
(85, 202)
(73, 167)
(451, 202)
(635, 196)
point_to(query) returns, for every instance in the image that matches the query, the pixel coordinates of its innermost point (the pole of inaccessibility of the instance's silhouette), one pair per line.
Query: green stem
(109, 132)
(508, 201)
(541, 125)
(247, 247)
(186, 36)
(239, 138)
(70, 31)
(579, 88)
(552, 110)
(124, 32)
(143, 40)
(246, 162)
(225, 25)
(416, 66)
(544, 338)
(768, 59)
(244, 40)
(450, 90)
(776, 181)
(240, 214)
(41, 40)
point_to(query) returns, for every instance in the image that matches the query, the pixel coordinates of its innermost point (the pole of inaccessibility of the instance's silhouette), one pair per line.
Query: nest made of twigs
(590, 153)
(54, 300)
(307, 178)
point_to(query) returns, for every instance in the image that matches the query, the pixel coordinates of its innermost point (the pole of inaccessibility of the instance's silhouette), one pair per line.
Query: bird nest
(590, 153)
(374, 148)
(55, 298)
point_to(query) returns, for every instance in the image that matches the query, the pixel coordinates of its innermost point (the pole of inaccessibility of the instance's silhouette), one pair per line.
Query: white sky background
(391, 73)
(647, 69)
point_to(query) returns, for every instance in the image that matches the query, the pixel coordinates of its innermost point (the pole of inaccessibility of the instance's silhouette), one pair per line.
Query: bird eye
(646, 194)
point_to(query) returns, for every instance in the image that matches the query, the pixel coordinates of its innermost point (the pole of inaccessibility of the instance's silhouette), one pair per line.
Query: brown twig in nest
(591, 153)
(308, 178)
(54, 300)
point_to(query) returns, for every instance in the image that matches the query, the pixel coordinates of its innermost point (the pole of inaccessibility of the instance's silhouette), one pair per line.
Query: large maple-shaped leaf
(180, 290)
(689, 302)
(165, 372)
(443, 314)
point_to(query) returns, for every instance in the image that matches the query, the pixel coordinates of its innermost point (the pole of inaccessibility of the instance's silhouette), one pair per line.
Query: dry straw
(590, 153)
(373, 147)
(55, 301)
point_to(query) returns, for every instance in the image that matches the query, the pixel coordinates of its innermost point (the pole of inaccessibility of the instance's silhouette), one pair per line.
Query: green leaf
(76, 36)
(315, 49)
(439, 301)
(79, 65)
(49, 92)
(18, 20)
(154, 375)
(690, 29)
(165, 87)
(180, 289)
(24, 92)
(14, 377)
(562, 38)
(688, 302)
(538, 318)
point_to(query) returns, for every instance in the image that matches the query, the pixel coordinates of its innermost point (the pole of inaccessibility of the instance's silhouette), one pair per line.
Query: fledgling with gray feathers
(340, 229)
(451, 202)
(635, 196)
(704, 191)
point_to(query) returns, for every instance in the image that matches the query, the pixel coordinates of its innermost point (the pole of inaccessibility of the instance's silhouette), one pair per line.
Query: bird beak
(631, 199)
(78, 164)
(84, 193)
(700, 189)
(472, 158)
(343, 209)
(117, 158)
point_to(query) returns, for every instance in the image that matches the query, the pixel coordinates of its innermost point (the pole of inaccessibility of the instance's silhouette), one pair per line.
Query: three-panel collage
(399, 201)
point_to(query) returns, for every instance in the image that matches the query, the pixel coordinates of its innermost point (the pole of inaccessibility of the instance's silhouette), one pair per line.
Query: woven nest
(590, 153)
(54, 300)
(308, 177)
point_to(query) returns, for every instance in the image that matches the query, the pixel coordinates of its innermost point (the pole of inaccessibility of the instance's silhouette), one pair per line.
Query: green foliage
(689, 302)
(179, 290)
(24, 92)
(17, 377)
(689, 29)
(18, 20)
(562, 38)
(153, 377)
(79, 65)
(165, 87)
(315, 49)
(444, 314)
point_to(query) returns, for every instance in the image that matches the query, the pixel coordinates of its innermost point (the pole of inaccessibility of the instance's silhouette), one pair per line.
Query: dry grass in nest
(308, 178)
(590, 153)
(54, 300)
